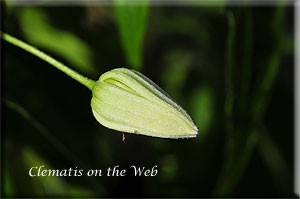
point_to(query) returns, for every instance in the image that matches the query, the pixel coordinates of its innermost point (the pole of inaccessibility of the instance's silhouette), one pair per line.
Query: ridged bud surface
(127, 101)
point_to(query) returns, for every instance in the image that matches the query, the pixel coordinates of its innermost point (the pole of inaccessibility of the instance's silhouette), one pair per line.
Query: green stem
(247, 61)
(60, 66)
(240, 146)
(230, 98)
(275, 161)
(221, 187)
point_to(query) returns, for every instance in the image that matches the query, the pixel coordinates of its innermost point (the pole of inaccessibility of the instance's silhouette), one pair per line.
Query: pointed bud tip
(193, 134)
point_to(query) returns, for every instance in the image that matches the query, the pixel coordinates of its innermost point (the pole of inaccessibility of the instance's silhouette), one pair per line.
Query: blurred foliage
(202, 102)
(175, 72)
(275, 161)
(231, 67)
(43, 184)
(240, 144)
(50, 185)
(39, 31)
(132, 23)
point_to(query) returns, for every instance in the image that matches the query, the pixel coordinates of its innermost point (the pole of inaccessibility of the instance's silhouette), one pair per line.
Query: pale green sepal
(127, 101)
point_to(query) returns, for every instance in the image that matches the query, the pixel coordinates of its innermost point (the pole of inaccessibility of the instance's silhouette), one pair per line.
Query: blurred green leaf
(51, 184)
(38, 31)
(202, 103)
(210, 5)
(75, 191)
(176, 70)
(131, 21)
(48, 184)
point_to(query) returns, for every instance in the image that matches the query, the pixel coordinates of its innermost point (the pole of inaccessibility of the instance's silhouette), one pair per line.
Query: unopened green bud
(127, 101)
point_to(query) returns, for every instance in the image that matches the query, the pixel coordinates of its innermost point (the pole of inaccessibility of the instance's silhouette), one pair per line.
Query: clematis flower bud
(127, 101)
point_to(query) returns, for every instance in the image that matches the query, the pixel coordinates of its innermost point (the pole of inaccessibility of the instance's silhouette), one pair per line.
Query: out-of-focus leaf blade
(131, 21)
(202, 102)
(75, 191)
(40, 32)
(49, 184)
(174, 75)
(275, 161)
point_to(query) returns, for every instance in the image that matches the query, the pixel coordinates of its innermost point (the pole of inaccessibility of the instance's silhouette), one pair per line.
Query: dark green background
(230, 67)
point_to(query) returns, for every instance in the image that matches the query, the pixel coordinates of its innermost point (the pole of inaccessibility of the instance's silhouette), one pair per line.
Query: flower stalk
(60, 66)
(127, 101)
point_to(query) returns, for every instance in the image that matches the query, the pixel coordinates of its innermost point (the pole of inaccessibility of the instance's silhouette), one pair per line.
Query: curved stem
(60, 66)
